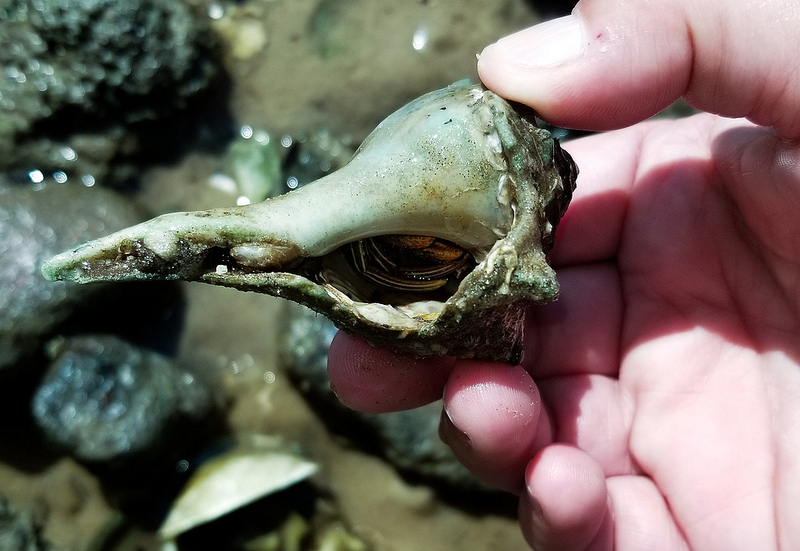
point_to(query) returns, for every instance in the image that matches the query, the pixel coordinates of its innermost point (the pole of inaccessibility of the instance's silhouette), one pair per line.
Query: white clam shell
(235, 478)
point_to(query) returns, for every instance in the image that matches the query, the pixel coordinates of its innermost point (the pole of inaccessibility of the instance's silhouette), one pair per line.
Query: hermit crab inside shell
(432, 240)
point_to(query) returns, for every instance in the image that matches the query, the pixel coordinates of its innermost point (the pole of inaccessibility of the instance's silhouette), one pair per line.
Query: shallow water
(295, 68)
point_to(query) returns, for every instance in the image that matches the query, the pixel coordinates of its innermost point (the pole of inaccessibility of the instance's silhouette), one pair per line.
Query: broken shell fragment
(431, 241)
(251, 468)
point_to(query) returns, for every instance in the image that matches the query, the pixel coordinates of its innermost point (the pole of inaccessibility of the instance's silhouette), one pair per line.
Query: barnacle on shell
(432, 240)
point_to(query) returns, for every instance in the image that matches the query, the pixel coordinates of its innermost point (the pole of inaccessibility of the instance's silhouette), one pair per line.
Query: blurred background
(186, 416)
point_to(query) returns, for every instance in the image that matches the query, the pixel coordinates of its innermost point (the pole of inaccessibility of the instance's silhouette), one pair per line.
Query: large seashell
(459, 165)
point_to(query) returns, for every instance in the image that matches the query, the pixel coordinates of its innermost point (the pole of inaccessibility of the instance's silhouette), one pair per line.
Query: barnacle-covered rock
(81, 78)
(19, 530)
(432, 240)
(105, 400)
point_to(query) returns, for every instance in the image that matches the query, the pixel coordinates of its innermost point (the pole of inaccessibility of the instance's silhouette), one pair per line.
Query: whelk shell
(481, 187)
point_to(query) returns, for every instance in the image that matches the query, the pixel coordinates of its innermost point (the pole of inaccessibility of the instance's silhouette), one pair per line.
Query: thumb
(614, 63)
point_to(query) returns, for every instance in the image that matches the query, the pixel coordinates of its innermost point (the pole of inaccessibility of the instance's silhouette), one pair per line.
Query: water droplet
(36, 176)
(222, 182)
(68, 153)
(216, 11)
(420, 39)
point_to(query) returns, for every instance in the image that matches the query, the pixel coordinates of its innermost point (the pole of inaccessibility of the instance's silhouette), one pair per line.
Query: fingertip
(376, 380)
(511, 65)
(608, 66)
(492, 420)
(565, 502)
(477, 390)
(603, 67)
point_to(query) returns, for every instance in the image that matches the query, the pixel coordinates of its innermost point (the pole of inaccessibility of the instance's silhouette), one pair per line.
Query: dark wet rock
(105, 400)
(311, 157)
(79, 72)
(19, 532)
(35, 224)
(407, 439)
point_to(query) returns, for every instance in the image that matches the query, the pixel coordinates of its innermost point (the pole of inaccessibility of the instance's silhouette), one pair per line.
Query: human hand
(658, 404)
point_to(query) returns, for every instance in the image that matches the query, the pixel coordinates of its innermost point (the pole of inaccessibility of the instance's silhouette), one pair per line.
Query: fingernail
(535, 507)
(450, 433)
(545, 45)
